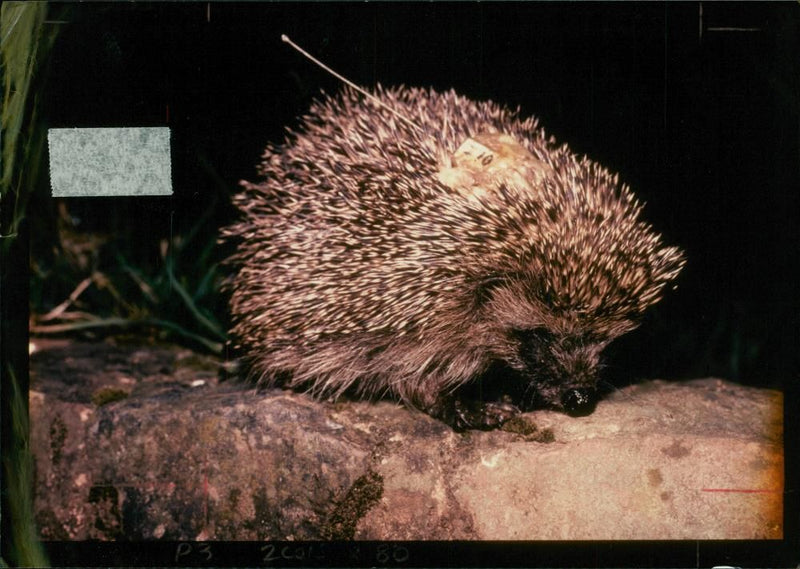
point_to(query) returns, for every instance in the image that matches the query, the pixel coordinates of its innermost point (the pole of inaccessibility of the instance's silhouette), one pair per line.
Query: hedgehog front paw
(484, 416)
(464, 415)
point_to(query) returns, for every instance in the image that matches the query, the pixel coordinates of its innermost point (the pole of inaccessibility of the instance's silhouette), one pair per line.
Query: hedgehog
(407, 243)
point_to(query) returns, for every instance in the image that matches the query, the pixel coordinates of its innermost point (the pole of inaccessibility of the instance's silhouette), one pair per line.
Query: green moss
(528, 429)
(106, 395)
(58, 435)
(107, 519)
(234, 496)
(265, 519)
(365, 492)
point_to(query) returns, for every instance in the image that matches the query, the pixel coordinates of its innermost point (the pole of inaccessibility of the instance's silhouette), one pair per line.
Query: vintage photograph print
(400, 284)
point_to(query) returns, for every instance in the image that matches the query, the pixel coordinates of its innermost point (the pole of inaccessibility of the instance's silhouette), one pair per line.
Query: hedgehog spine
(395, 257)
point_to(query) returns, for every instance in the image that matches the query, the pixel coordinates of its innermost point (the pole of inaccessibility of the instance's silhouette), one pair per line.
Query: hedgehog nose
(579, 401)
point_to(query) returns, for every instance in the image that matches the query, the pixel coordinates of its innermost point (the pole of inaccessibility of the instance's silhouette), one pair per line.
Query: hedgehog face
(556, 352)
(561, 368)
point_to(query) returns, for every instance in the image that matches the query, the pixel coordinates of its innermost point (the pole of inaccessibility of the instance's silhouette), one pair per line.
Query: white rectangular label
(131, 161)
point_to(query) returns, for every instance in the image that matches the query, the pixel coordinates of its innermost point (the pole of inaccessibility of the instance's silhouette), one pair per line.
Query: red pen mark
(741, 490)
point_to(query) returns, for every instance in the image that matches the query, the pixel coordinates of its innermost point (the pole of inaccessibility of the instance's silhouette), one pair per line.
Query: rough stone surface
(141, 442)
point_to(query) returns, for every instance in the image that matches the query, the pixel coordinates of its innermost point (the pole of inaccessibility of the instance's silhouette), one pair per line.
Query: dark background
(695, 105)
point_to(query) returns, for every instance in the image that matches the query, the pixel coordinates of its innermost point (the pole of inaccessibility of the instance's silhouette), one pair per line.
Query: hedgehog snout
(563, 371)
(576, 377)
(579, 401)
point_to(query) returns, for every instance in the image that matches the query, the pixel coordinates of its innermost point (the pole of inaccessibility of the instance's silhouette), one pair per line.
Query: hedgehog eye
(572, 342)
(532, 336)
(534, 344)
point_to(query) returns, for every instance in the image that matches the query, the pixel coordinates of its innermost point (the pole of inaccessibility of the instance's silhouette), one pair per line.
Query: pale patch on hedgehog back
(487, 160)
(482, 163)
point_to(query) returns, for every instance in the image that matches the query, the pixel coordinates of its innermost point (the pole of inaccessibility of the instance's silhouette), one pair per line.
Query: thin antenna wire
(364, 92)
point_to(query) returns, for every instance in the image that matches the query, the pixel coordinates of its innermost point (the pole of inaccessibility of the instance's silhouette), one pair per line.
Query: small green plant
(25, 42)
(98, 285)
(24, 547)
